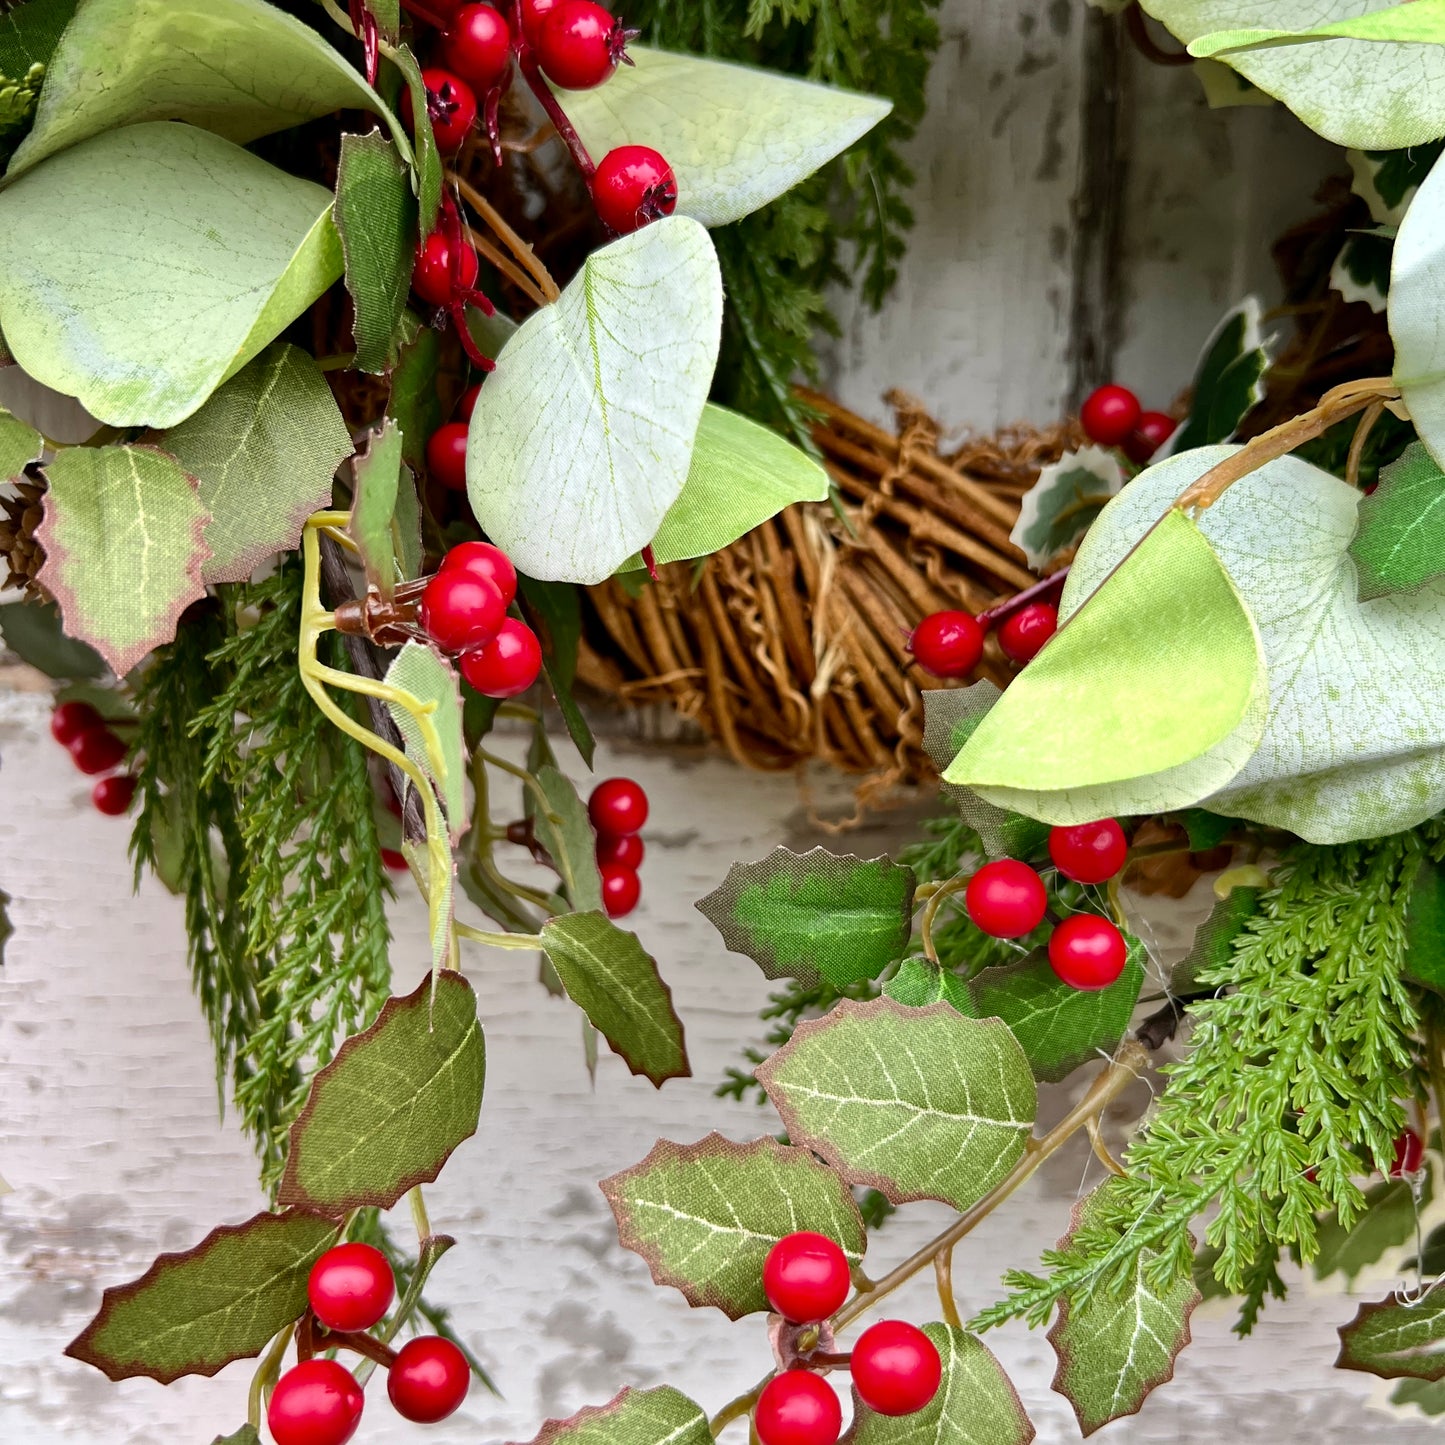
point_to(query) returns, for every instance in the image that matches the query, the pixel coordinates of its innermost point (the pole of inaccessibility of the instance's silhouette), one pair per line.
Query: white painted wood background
(108, 1126)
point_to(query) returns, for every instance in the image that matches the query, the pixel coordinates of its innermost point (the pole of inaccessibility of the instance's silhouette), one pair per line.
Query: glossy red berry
(1023, 635)
(617, 806)
(394, 861)
(620, 850)
(947, 644)
(534, 13)
(71, 719)
(1006, 898)
(579, 45)
(351, 1287)
(507, 665)
(431, 278)
(318, 1402)
(1089, 852)
(446, 455)
(479, 46)
(451, 106)
(896, 1368)
(806, 1278)
(1109, 414)
(481, 559)
(632, 186)
(1409, 1155)
(428, 1380)
(1152, 430)
(460, 612)
(621, 889)
(96, 750)
(112, 796)
(798, 1408)
(468, 402)
(1087, 952)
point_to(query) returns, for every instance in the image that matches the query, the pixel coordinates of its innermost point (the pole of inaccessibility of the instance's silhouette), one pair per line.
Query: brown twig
(525, 255)
(507, 267)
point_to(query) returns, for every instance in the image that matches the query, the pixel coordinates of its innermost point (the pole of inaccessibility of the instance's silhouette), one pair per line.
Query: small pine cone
(22, 554)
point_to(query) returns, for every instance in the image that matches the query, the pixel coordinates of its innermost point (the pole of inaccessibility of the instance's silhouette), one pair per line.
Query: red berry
(798, 1408)
(446, 455)
(317, 1402)
(351, 1287)
(1087, 952)
(395, 861)
(479, 46)
(579, 45)
(1152, 430)
(1089, 852)
(1025, 633)
(632, 186)
(97, 750)
(450, 106)
(947, 644)
(431, 278)
(428, 1380)
(481, 559)
(620, 850)
(896, 1369)
(621, 890)
(617, 806)
(459, 611)
(806, 1278)
(506, 665)
(444, 9)
(71, 719)
(1006, 898)
(534, 12)
(468, 403)
(112, 796)
(1409, 1155)
(1109, 414)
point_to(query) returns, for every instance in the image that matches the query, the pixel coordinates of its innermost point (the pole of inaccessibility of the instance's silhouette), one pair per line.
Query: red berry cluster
(446, 451)
(950, 644)
(1112, 417)
(896, 1369)
(618, 809)
(318, 1401)
(464, 611)
(95, 748)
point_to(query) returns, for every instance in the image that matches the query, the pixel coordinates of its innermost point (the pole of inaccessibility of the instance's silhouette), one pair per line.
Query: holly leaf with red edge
(376, 472)
(1397, 1339)
(636, 1417)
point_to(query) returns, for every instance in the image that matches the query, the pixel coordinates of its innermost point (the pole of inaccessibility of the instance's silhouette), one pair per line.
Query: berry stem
(267, 1373)
(936, 900)
(943, 1274)
(1002, 611)
(532, 74)
(427, 17)
(525, 255)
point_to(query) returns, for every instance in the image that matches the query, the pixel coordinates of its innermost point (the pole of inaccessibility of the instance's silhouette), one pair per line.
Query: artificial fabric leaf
(736, 137)
(1060, 507)
(1400, 544)
(636, 1417)
(1118, 1345)
(1427, 1396)
(426, 158)
(1390, 1218)
(975, 1405)
(376, 476)
(435, 745)
(194, 1312)
(1228, 380)
(29, 34)
(1397, 1338)
(916, 1103)
(385, 1114)
(240, 68)
(415, 403)
(582, 439)
(1205, 830)
(1424, 925)
(610, 976)
(264, 448)
(146, 266)
(1175, 714)
(1361, 271)
(32, 631)
(124, 551)
(919, 983)
(246, 1435)
(20, 444)
(1214, 940)
(565, 831)
(1416, 306)
(1387, 180)
(375, 215)
(554, 611)
(705, 1216)
(815, 915)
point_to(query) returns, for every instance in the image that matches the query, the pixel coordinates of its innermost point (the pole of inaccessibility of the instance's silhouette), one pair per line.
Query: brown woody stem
(1002, 611)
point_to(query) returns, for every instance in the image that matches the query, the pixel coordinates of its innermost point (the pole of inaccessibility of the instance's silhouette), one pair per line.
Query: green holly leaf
(435, 745)
(426, 159)
(1397, 1339)
(1205, 830)
(1213, 945)
(1424, 923)
(146, 266)
(246, 1435)
(815, 915)
(919, 983)
(736, 137)
(1361, 271)
(916, 1103)
(1228, 380)
(1118, 1345)
(1400, 544)
(415, 404)
(582, 439)
(565, 831)
(32, 631)
(636, 1417)
(1427, 1396)
(1387, 180)
(265, 449)
(705, 1216)
(123, 547)
(194, 1312)
(975, 1405)
(610, 976)
(376, 475)
(376, 217)
(385, 1114)
(20, 445)
(554, 612)
(1390, 1219)
(1061, 506)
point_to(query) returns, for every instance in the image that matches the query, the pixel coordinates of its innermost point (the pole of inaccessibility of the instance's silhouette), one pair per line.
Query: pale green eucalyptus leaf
(1416, 310)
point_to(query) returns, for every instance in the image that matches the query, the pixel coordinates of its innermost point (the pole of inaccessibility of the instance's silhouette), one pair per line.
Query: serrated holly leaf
(1060, 507)
(1427, 1396)
(610, 976)
(124, 550)
(1228, 380)
(376, 476)
(385, 1114)
(565, 831)
(146, 266)
(705, 1216)
(1390, 1218)
(425, 158)
(815, 915)
(246, 1435)
(916, 1103)
(1387, 180)
(1059, 1027)
(194, 1312)
(434, 742)
(976, 1403)
(1213, 945)
(636, 1417)
(737, 137)
(582, 439)
(1361, 271)
(1205, 830)
(32, 631)
(264, 448)
(554, 612)
(1424, 924)
(1397, 1339)
(1400, 544)
(1118, 1346)
(415, 404)
(919, 983)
